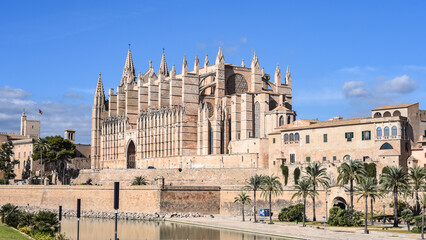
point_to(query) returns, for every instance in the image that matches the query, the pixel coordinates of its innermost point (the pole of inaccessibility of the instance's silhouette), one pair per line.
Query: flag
(41, 112)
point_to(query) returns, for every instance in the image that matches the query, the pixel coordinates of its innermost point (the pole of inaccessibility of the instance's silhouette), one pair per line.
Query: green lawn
(10, 234)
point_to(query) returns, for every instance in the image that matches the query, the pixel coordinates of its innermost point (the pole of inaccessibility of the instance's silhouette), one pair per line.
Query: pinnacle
(219, 58)
(196, 63)
(184, 65)
(163, 67)
(206, 61)
(255, 62)
(243, 64)
(100, 86)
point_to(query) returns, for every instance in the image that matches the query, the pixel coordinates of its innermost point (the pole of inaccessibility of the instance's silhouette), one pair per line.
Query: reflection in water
(103, 229)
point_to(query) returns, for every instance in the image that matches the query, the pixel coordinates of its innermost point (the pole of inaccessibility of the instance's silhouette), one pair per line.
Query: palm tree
(254, 184)
(395, 180)
(351, 171)
(242, 198)
(367, 188)
(42, 145)
(140, 181)
(271, 185)
(417, 177)
(304, 189)
(316, 175)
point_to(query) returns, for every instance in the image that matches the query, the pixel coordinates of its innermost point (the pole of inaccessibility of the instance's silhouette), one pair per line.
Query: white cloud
(8, 92)
(401, 84)
(414, 67)
(244, 40)
(354, 89)
(357, 69)
(201, 46)
(73, 95)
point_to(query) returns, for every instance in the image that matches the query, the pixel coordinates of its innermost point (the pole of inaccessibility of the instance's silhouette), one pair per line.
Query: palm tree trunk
(270, 207)
(243, 212)
(254, 199)
(372, 215)
(417, 212)
(351, 192)
(395, 207)
(423, 221)
(366, 214)
(304, 211)
(314, 218)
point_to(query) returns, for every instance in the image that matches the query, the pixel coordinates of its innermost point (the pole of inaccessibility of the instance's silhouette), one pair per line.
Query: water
(103, 229)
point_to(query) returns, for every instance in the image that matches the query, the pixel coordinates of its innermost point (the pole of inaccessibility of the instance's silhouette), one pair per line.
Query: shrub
(418, 221)
(3, 182)
(292, 213)
(284, 170)
(10, 215)
(42, 236)
(27, 219)
(46, 222)
(416, 230)
(347, 217)
(296, 175)
(401, 206)
(27, 230)
(140, 181)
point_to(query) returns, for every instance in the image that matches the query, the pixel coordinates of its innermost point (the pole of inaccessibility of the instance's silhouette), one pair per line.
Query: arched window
(386, 114)
(386, 146)
(236, 84)
(386, 132)
(286, 138)
(281, 122)
(394, 131)
(397, 113)
(347, 158)
(377, 115)
(296, 137)
(379, 132)
(257, 120)
(291, 137)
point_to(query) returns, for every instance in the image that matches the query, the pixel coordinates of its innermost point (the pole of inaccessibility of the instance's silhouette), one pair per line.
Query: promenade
(291, 230)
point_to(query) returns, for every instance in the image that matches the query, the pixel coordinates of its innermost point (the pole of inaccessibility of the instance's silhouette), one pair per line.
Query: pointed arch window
(257, 120)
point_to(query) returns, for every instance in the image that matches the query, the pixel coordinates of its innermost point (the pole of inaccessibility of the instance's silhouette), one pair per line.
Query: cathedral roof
(395, 106)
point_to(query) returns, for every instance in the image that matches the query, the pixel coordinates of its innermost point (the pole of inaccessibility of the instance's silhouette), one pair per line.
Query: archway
(339, 202)
(131, 155)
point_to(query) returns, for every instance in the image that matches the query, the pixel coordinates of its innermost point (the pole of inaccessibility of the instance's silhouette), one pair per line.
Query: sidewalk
(291, 230)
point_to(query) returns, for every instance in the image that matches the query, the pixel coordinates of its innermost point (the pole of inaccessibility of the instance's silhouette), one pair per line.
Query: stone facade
(166, 119)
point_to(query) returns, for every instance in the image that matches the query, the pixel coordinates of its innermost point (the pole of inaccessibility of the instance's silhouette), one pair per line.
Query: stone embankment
(111, 215)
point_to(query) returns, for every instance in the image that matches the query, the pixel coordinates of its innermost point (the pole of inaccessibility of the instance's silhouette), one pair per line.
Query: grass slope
(7, 233)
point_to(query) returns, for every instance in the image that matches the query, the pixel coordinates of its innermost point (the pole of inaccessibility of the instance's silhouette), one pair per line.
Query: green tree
(296, 175)
(407, 216)
(417, 176)
(350, 172)
(140, 181)
(40, 149)
(316, 175)
(254, 184)
(367, 188)
(271, 186)
(395, 180)
(371, 171)
(244, 199)
(6, 162)
(284, 171)
(57, 151)
(10, 215)
(304, 188)
(46, 222)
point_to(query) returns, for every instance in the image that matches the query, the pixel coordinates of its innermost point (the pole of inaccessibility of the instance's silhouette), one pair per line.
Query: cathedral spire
(99, 94)
(128, 69)
(163, 67)
(255, 62)
(206, 61)
(219, 58)
(100, 85)
(196, 65)
(184, 65)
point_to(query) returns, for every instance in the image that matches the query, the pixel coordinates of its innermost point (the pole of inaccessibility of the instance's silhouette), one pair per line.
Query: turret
(98, 107)
(219, 58)
(23, 123)
(99, 99)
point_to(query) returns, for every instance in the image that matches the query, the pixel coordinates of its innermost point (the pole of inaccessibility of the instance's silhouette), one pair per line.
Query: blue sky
(346, 57)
